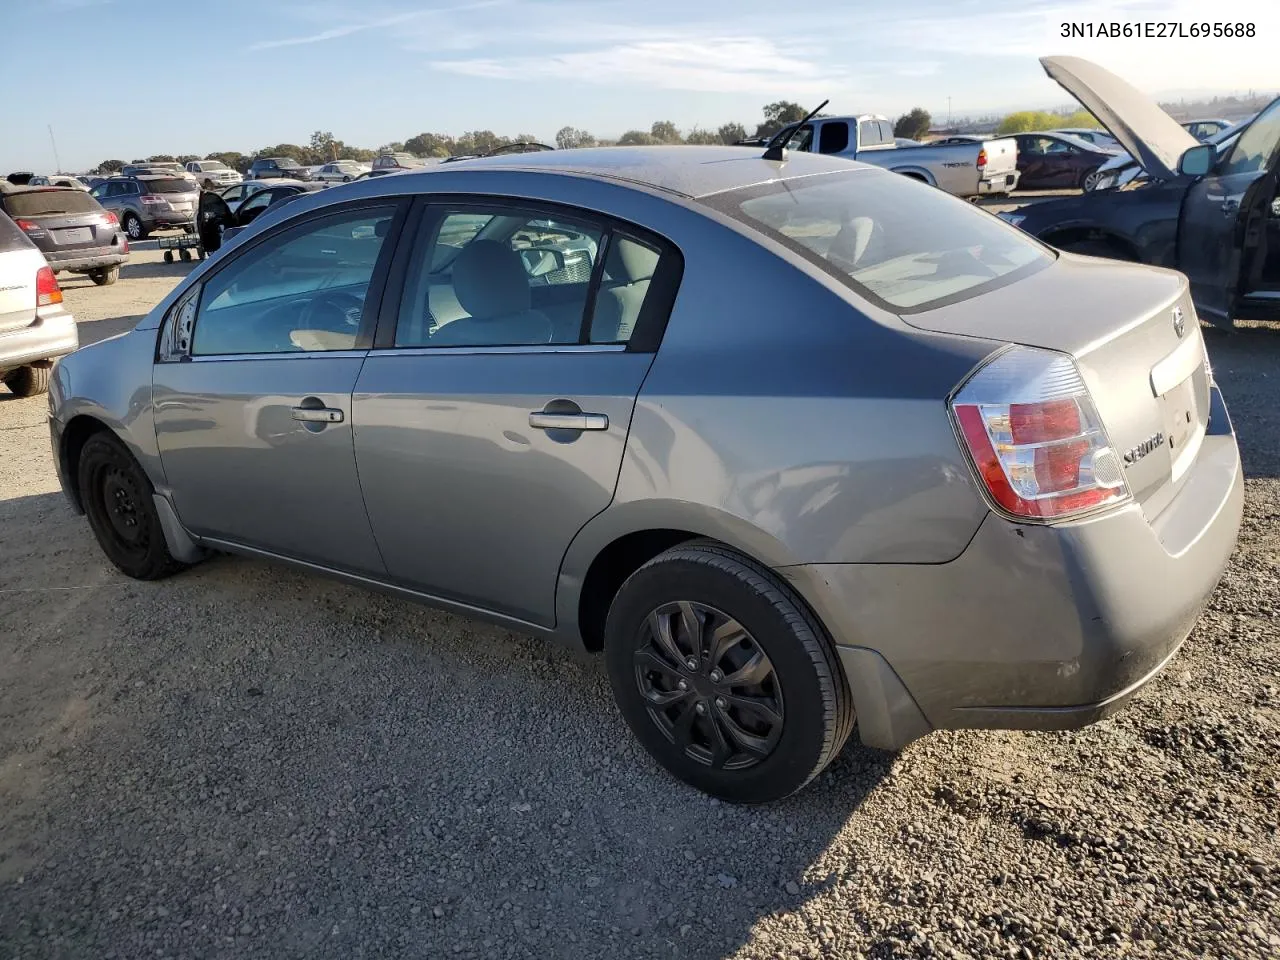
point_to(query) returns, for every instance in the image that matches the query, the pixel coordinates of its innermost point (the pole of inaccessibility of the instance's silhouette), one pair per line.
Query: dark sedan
(1055, 161)
(70, 228)
(217, 222)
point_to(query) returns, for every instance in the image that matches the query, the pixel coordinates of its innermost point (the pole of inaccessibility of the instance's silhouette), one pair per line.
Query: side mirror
(1197, 160)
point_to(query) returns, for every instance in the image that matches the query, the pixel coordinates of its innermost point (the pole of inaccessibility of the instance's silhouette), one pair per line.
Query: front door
(492, 415)
(1223, 233)
(252, 391)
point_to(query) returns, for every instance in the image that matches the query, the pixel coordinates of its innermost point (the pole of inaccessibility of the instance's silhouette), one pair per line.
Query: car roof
(145, 177)
(7, 187)
(690, 171)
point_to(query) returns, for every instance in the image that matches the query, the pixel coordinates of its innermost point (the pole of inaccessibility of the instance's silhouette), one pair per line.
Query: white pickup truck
(213, 174)
(962, 169)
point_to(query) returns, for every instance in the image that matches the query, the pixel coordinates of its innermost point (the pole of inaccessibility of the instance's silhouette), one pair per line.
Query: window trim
(654, 313)
(373, 297)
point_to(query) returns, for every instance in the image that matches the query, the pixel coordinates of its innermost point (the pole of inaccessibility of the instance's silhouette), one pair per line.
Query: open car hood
(1143, 129)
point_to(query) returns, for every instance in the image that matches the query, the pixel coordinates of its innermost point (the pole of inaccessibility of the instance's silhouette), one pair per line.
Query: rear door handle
(318, 414)
(568, 421)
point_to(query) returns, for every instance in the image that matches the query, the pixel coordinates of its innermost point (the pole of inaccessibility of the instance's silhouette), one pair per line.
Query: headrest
(629, 261)
(382, 227)
(489, 280)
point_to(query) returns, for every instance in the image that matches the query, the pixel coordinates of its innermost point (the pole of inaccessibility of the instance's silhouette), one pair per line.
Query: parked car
(963, 169)
(218, 222)
(157, 168)
(57, 180)
(149, 202)
(35, 328)
(1099, 138)
(236, 195)
(379, 173)
(213, 174)
(1123, 168)
(70, 229)
(1054, 161)
(1206, 213)
(1032, 492)
(267, 168)
(341, 171)
(398, 161)
(20, 178)
(1203, 130)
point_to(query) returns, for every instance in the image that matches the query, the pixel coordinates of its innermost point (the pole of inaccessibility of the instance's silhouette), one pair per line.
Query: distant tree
(290, 150)
(110, 166)
(732, 132)
(527, 138)
(395, 146)
(699, 136)
(233, 159)
(914, 124)
(188, 157)
(1025, 120)
(161, 158)
(1081, 118)
(570, 138)
(635, 138)
(664, 131)
(324, 147)
(778, 115)
(479, 142)
(430, 145)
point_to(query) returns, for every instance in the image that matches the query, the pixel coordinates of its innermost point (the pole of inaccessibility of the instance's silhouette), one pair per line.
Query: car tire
(29, 381)
(756, 740)
(1089, 181)
(346, 179)
(133, 228)
(117, 499)
(105, 276)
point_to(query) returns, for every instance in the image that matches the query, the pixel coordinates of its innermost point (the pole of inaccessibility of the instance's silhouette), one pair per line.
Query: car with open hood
(800, 446)
(1212, 215)
(217, 220)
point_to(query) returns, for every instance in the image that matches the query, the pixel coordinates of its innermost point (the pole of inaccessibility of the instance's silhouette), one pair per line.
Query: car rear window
(172, 185)
(904, 247)
(11, 238)
(287, 164)
(44, 203)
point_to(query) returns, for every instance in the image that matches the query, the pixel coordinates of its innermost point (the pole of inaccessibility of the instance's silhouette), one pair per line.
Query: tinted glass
(896, 244)
(47, 203)
(287, 164)
(833, 137)
(497, 277)
(302, 290)
(173, 185)
(1257, 144)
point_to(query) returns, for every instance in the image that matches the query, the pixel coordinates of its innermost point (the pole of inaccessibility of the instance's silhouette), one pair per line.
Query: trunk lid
(1002, 158)
(1147, 379)
(1134, 119)
(19, 262)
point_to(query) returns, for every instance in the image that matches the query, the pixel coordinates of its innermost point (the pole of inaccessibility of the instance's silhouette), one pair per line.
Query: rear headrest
(629, 262)
(489, 280)
(381, 228)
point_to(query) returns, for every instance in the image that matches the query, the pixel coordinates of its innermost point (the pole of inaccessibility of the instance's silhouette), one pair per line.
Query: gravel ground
(245, 761)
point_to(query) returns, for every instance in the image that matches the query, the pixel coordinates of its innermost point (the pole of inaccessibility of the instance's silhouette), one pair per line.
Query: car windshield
(905, 247)
(46, 203)
(287, 164)
(168, 185)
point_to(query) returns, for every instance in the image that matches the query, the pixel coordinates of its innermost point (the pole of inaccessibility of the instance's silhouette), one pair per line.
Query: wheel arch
(1062, 237)
(74, 436)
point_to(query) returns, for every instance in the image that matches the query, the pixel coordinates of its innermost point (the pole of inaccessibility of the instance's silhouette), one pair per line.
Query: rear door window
(833, 137)
(900, 247)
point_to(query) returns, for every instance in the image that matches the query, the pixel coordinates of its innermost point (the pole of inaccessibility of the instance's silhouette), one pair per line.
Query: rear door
(1225, 231)
(492, 415)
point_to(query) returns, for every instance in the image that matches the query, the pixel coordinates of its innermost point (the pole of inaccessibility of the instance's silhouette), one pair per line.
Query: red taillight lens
(110, 219)
(152, 198)
(1036, 441)
(27, 225)
(982, 157)
(47, 290)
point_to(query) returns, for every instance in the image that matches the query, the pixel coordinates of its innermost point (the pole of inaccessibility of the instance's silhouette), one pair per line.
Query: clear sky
(120, 79)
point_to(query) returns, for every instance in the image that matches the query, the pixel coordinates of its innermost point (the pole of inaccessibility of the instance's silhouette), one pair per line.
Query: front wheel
(116, 495)
(1089, 182)
(724, 676)
(105, 276)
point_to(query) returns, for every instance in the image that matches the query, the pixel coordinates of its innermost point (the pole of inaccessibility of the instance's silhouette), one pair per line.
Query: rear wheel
(105, 276)
(29, 380)
(133, 227)
(724, 676)
(116, 495)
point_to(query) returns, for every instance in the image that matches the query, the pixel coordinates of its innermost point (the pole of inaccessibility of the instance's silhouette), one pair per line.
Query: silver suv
(34, 327)
(149, 202)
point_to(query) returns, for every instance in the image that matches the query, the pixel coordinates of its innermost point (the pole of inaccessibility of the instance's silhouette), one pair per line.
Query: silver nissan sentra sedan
(800, 445)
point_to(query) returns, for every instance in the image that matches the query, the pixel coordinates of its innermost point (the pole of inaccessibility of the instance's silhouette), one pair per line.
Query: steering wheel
(332, 310)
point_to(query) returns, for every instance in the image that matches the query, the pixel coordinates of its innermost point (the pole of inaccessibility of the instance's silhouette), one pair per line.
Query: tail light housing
(982, 157)
(153, 199)
(47, 290)
(27, 226)
(110, 219)
(1035, 438)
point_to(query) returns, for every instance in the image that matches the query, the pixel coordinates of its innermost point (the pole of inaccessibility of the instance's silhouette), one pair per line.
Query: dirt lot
(245, 761)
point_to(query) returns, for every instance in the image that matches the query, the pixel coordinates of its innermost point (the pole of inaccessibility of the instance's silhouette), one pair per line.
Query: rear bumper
(1033, 627)
(90, 259)
(169, 218)
(52, 335)
(1005, 183)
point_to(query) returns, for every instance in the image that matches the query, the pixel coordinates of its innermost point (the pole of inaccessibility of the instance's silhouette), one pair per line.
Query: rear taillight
(27, 225)
(110, 219)
(1035, 438)
(982, 157)
(47, 290)
(152, 198)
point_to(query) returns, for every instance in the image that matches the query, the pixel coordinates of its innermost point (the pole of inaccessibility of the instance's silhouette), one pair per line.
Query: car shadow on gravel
(254, 761)
(1246, 364)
